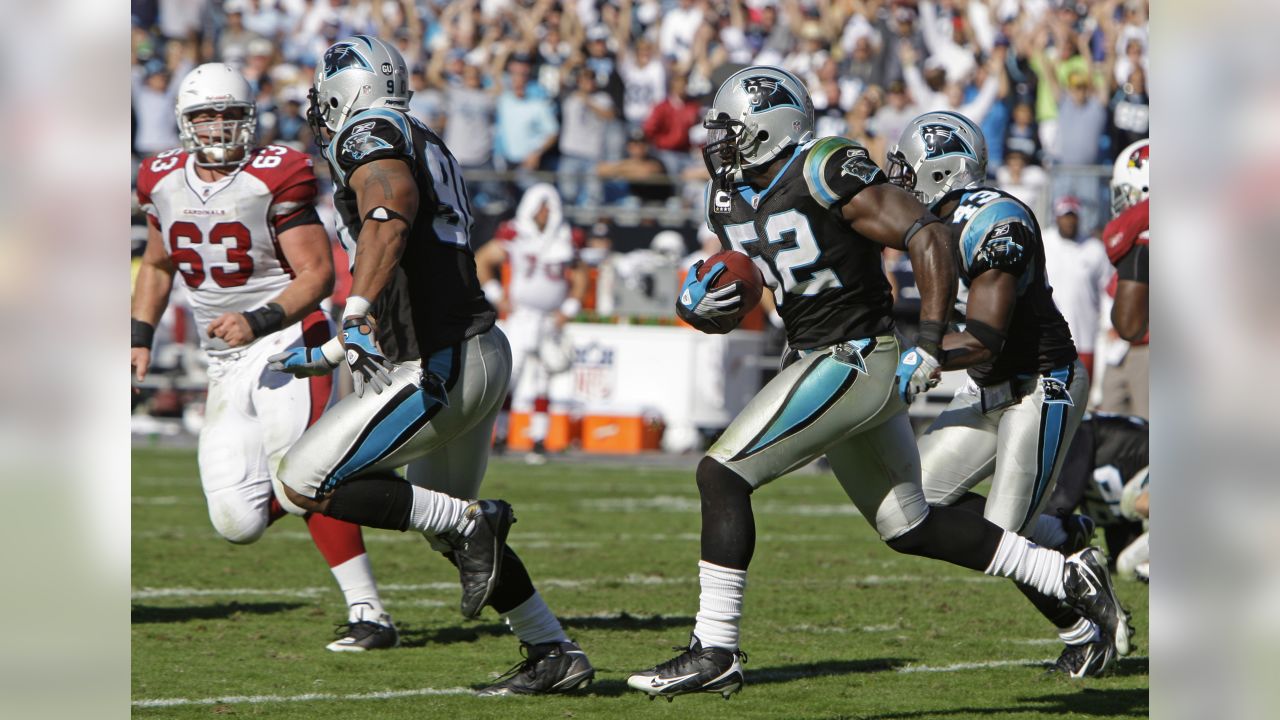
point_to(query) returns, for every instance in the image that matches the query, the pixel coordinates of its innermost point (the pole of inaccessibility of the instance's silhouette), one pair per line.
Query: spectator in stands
(937, 90)
(1130, 110)
(862, 67)
(1022, 179)
(427, 103)
(1023, 136)
(586, 113)
(668, 126)
(644, 82)
(155, 90)
(1078, 269)
(527, 129)
(679, 25)
(639, 177)
(233, 41)
(889, 121)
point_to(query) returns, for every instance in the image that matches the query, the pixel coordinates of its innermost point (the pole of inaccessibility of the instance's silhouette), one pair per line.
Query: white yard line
(148, 593)
(308, 697)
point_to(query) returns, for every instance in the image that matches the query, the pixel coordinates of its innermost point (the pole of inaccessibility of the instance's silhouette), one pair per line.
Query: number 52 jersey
(222, 235)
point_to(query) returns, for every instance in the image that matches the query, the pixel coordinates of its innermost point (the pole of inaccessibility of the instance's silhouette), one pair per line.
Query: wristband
(141, 334)
(493, 291)
(356, 305)
(333, 350)
(265, 320)
(929, 337)
(570, 307)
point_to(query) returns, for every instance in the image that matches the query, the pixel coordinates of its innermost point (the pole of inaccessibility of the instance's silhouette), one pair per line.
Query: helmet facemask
(219, 141)
(902, 174)
(729, 143)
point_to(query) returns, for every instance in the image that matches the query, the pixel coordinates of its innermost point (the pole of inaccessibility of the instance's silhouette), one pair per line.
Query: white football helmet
(757, 113)
(1131, 177)
(355, 74)
(216, 87)
(938, 152)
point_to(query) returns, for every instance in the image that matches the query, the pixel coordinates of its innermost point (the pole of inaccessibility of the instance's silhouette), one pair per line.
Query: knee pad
(717, 481)
(236, 521)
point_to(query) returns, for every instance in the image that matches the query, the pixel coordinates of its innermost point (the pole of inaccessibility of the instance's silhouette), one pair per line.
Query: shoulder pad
(371, 135)
(1000, 235)
(287, 173)
(837, 168)
(1128, 228)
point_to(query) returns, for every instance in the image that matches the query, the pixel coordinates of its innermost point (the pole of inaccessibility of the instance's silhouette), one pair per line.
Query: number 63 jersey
(827, 280)
(222, 235)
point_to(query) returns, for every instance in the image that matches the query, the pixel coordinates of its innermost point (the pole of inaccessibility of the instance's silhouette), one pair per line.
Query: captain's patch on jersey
(723, 202)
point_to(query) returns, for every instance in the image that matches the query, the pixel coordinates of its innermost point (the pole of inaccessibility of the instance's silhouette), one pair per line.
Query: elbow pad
(991, 338)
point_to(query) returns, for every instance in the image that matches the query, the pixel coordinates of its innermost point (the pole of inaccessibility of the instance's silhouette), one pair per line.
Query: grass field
(837, 625)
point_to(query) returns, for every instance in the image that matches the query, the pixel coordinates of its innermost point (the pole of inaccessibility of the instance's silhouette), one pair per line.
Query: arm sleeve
(1135, 265)
(293, 196)
(836, 169)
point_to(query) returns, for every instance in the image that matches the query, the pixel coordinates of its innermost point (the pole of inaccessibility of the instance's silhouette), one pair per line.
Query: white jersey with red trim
(539, 267)
(222, 235)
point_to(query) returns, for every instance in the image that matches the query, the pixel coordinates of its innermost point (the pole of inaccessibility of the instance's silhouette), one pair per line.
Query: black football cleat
(479, 554)
(363, 635)
(695, 670)
(547, 669)
(1091, 659)
(1089, 591)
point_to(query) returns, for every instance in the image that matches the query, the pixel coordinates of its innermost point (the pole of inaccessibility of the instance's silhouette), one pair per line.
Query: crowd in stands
(608, 95)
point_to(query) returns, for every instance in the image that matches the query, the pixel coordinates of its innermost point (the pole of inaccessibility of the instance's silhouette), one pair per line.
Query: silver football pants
(436, 419)
(1020, 447)
(844, 406)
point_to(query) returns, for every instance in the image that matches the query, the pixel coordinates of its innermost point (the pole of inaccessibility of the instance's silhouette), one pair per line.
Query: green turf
(833, 617)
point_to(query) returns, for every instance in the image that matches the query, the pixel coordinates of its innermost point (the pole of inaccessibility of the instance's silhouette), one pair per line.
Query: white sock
(1084, 631)
(534, 623)
(719, 605)
(504, 421)
(1023, 561)
(539, 423)
(1048, 531)
(355, 578)
(434, 512)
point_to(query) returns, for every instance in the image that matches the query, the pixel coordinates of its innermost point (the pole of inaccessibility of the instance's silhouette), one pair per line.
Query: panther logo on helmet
(943, 140)
(343, 56)
(767, 93)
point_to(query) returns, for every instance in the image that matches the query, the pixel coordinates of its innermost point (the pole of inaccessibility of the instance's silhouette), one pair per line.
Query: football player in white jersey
(547, 287)
(239, 224)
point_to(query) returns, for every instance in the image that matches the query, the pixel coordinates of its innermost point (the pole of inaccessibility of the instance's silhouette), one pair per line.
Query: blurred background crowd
(604, 98)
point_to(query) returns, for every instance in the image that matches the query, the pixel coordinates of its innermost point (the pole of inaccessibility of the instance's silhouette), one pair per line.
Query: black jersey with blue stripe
(826, 279)
(434, 300)
(996, 231)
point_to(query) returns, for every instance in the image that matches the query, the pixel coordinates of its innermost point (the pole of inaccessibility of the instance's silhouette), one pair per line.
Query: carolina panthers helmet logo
(765, 93)
(344, 56)
(941, 140)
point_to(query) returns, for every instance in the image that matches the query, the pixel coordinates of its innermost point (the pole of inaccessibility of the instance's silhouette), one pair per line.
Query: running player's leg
(959, 449)
(233, 467)
(286, 410)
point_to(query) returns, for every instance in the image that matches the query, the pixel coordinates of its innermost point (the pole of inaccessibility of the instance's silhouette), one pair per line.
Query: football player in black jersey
(814, 215)
(1014, 419)
(431, 372)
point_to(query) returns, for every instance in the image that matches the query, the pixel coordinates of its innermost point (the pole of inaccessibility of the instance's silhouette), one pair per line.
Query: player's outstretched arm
(387, 197)
(150, 297)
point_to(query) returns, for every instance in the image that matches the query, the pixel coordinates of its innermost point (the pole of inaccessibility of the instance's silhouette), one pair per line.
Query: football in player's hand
(737, 268)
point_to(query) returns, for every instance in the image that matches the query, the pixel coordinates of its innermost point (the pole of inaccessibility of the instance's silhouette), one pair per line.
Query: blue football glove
(369, 367)
(699, 300)
(302, 362)
(917, 372)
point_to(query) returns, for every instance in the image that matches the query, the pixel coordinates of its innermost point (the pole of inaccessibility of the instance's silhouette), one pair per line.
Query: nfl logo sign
(594, 374)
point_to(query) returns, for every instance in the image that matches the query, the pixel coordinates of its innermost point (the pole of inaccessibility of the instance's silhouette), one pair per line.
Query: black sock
(1051, 608)
(955, 536)
(373, 501)
(970, 502)
(728, 525)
